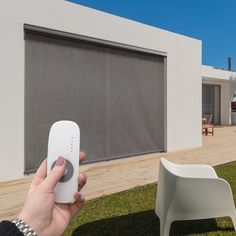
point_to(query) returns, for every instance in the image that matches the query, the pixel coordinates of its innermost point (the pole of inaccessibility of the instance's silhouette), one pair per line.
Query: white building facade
(218, 94)
(127, 54)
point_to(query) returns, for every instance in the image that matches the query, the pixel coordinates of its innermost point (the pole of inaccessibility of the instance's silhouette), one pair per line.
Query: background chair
(207, 125)
(188, 192)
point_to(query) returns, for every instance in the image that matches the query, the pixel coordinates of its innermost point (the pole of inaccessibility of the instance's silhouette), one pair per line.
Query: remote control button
(69, 171)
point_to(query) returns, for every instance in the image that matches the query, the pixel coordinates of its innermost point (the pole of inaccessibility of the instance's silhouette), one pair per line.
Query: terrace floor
(118, 175)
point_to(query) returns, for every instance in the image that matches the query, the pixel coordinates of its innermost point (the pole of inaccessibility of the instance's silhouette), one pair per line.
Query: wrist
(31, 221)
(24, 228)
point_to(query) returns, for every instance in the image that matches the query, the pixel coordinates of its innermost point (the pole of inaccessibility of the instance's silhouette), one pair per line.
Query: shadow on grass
(144, 223)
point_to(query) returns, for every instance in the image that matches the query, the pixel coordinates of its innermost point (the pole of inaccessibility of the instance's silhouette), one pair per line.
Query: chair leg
(233, 217)
(204, 131)
(165, 228)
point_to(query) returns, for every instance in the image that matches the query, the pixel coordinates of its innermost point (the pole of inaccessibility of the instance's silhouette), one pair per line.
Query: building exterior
(219, 95)
(132, 88)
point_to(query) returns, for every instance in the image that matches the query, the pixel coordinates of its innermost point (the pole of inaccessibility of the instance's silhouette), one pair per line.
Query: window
(116, 96)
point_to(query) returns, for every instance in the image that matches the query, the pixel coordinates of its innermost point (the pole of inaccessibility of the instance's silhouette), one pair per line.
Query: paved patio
(114, 176)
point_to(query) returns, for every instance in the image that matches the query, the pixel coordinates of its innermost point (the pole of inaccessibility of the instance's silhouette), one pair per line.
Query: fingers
(78, 204)
(56, 174)
(82, 181)
(40, 174)
(80, 200)
(82, 156)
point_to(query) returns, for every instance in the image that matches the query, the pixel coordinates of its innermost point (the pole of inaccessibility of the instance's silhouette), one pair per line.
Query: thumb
(56, 174)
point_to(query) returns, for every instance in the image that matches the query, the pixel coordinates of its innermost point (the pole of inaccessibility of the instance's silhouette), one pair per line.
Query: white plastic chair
(188, 192)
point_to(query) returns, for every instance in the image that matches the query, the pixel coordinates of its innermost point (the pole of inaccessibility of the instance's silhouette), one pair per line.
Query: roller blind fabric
(115, 95)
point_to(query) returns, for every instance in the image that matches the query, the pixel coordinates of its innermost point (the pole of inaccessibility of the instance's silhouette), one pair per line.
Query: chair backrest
(208, 119)
(166, 185)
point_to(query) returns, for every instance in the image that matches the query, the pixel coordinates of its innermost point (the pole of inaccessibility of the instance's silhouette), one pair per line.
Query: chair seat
(207, 126)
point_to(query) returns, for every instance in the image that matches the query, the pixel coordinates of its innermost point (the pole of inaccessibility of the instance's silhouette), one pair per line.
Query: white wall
(211, 72)
(183, 69)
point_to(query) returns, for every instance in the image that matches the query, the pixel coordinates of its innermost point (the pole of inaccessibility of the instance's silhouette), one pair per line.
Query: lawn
(131, 213)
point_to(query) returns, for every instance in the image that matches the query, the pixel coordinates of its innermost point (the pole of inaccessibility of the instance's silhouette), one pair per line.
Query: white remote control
(64, 140)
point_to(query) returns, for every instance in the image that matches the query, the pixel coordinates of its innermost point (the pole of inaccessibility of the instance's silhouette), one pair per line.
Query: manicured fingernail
(60, 161)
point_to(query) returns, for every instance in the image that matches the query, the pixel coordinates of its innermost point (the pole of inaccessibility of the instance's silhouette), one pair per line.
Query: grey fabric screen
(115, 95)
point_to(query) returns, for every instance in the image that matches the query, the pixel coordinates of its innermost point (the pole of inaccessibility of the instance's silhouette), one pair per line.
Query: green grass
(131, 213)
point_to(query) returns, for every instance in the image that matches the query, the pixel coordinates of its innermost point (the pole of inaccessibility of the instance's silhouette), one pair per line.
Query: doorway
(211, 102)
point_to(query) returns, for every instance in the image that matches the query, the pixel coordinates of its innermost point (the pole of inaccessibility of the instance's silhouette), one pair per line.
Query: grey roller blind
(136, 103)
(115, 95)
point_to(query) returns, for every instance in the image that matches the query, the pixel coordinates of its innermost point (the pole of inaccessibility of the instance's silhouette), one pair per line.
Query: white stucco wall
(227, 81)
(211, 72)
(183, 96)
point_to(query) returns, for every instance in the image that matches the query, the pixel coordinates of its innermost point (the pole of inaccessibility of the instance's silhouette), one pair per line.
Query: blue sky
(212, 21)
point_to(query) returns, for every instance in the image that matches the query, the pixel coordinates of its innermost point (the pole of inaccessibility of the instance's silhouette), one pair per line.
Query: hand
(40, 211)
